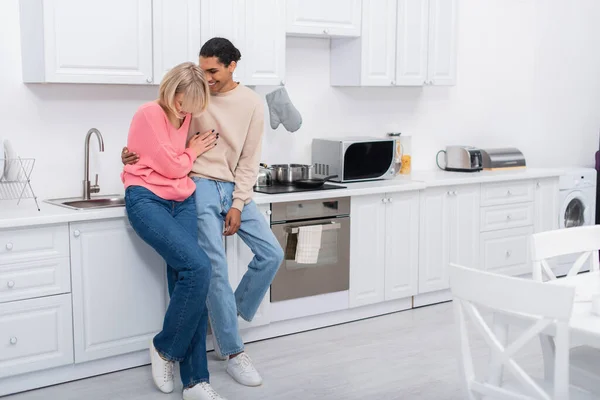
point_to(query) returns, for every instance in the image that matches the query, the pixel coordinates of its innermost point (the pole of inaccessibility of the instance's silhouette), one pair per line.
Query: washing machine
(577, 207)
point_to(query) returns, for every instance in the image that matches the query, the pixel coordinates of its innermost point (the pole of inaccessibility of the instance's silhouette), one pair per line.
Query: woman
(161, 209)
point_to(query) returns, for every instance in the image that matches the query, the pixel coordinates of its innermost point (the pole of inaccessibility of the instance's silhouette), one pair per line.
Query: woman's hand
(129, 158)
(200, 144)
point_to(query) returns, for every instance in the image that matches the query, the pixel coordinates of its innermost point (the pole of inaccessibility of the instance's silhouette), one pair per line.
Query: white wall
(529, 76)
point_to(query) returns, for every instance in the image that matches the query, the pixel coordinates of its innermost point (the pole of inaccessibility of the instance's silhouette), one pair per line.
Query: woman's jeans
(170, 227)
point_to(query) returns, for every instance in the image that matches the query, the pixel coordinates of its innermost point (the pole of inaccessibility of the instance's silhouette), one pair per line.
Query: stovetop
(279, 189)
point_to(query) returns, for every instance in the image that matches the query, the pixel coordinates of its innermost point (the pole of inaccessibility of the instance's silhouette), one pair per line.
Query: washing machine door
(575, 211)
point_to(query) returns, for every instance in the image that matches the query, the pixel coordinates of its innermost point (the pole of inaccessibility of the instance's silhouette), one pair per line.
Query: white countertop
(26, 214)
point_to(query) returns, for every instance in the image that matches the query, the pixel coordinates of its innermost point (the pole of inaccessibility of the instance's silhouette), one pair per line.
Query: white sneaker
(162, 371)
(201, 391)
(242, 370)
(217, 349)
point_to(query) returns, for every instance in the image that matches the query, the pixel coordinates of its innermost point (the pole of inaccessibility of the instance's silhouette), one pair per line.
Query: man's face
(217, 74)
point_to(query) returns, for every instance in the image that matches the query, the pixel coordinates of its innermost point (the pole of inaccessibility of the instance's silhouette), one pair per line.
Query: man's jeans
(170, 227)
(213, 201)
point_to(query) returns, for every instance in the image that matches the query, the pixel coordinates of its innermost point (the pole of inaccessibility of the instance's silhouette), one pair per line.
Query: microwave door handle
(326, 227)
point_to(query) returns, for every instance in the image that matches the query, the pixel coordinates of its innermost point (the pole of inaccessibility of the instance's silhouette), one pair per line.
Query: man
(224, 178)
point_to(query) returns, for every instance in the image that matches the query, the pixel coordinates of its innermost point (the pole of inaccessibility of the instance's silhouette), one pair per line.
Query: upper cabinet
(138, 41)
(257, 29)
(76, 41)
(176, 28)
(323, 18)
(403, 43)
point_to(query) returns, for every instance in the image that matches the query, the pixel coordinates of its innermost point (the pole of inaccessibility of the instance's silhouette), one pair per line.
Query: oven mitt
(282, 111)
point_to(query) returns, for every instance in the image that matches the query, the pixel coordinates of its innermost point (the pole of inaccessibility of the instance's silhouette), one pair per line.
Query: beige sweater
(238, 116)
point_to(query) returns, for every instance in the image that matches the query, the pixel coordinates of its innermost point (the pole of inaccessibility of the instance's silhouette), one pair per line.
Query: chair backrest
(546, 305)
(581, 239)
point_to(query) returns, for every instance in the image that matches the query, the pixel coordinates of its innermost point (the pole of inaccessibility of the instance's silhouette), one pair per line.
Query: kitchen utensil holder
(19, 187)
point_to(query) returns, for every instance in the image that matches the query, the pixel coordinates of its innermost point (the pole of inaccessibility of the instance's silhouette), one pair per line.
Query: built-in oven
(330, 272)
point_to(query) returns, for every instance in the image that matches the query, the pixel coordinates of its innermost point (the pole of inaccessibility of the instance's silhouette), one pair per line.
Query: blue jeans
(213, 201)
(170, 228)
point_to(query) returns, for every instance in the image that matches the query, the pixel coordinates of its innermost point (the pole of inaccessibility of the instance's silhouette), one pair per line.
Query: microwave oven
(354, 159)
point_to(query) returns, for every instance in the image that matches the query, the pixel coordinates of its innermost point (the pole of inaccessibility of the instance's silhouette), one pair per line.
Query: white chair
(585, 360)
(544, 304)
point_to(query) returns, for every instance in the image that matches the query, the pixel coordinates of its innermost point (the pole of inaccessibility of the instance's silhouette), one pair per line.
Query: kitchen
(508, 93)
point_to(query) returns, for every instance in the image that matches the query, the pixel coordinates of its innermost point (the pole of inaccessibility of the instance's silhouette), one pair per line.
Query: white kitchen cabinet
(323, 18)
(449, 233)
(546, 204)
(383, 247)
(119, 289)
(367, 250)
(35, 335)
(74, 41)
(506, 251)
(403, 43)
(176, 27)
(238, 258)
(442, 53)
(402, 245)
(257, 29)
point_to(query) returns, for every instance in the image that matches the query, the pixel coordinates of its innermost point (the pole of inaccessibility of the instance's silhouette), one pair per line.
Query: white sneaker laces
(210, 391)
(246, 363)
(168, 372)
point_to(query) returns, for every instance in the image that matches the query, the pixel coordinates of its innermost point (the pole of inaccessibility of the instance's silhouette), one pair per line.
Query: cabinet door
(176, 34)
(411, 47)
(239, 257)
(378, 60)
(434, 233)
(35, 335)
(323, 18)
(442, 42)
(264, 58)
(367, 250)
(464, 226)
(107, 41)
(402, 245)
(226, 18)
(119, 296)
(546, 204)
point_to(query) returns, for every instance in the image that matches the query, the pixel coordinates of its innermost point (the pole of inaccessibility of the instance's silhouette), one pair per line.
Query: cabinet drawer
(28, 244)
(506, 251)
(34, 279)
(35, 335)
(506, 193)
(504, 217)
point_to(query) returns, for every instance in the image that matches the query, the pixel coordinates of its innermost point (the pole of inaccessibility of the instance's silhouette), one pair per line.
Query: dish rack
(15, 183)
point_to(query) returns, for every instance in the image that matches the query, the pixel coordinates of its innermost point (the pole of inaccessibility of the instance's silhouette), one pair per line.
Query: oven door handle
(326, 227)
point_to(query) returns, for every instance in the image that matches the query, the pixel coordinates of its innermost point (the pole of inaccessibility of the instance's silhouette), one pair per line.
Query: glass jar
(406, 158)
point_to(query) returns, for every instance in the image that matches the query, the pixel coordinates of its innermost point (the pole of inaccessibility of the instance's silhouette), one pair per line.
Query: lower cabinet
(238, 257)
(449, 233)
(35, 334)
(384, 234)
(119, 289)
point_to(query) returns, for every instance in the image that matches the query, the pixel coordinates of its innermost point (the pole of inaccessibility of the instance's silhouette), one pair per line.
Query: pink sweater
(164, 162)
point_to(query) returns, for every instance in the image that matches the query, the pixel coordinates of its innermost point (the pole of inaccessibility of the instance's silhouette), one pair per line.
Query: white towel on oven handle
(309, 244)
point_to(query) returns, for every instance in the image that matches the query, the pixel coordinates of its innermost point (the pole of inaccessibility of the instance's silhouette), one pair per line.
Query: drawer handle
(509, 193)
(268, 212)
(9, 246)
(13, 340)
(508, 217)
(508, 254)
(10, 284)
(76, 233)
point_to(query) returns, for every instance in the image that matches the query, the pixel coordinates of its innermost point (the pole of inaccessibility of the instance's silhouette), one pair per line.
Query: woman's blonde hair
(189, 79)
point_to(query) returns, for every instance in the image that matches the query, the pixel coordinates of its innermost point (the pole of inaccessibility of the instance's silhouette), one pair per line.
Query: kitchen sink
(77, 203)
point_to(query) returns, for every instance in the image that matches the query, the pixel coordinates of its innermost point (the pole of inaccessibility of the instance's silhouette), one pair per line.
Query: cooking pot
(287, 174)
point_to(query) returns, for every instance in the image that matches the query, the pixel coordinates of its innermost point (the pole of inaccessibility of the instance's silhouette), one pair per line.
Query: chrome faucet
(87, 187)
